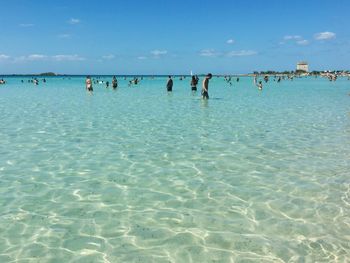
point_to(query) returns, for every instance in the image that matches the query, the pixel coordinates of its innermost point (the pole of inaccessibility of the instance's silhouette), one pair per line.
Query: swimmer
(114, 82)
(194, 83)
(205, 86)
(107, 84)
(88, 83)
(259, 85)
(169, 84)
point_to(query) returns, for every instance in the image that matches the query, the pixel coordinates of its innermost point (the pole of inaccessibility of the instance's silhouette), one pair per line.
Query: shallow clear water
(139, 175)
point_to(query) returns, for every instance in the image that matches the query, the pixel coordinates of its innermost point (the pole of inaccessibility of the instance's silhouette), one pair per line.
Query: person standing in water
(169, 84)
(114, 82)
(88, 83)
(205, 94)
(259, 85)
(194, 83)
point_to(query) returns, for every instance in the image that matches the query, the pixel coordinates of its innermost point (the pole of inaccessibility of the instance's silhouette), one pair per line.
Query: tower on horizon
(303, 66)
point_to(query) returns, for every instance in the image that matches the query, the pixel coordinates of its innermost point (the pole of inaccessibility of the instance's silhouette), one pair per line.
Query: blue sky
(172, 37)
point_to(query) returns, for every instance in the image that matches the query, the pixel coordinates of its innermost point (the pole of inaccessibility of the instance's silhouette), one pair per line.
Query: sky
(172, 37)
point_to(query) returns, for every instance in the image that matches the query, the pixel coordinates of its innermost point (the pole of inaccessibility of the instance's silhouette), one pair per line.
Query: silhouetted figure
(169, 84)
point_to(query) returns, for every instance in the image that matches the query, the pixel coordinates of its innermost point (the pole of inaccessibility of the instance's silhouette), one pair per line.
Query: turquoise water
(139, 175)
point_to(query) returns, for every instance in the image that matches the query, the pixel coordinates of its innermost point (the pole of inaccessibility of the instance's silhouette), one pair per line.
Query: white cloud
(141, 57)
(324, 36)
(238, 53)
(74, 21)
(295, 37)
(158, 53)
(303, 42)
(241, 53)
(36, 57)
(209, 53)
(108, 57)
(64, 36)
(32, 57)
(4, 57)
(40, 57)
(26, 25)
(67, 58)
(230, 41)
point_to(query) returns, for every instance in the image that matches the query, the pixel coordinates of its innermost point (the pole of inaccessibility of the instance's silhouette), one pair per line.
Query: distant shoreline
(268, 73)
(117, 75)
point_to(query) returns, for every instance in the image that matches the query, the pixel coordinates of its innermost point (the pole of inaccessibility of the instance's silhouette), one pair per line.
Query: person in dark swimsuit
(169, 84)
(194, 83)
(114, 82)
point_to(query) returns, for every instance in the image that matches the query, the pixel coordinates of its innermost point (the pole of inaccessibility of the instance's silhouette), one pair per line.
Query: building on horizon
(303, 66)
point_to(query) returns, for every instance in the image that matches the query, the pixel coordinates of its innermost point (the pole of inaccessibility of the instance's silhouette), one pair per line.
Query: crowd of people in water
(169, 84)
(258, 81)
(35, 81)
(205, 84)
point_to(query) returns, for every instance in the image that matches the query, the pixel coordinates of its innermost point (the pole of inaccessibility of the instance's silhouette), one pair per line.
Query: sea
(138, 174)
